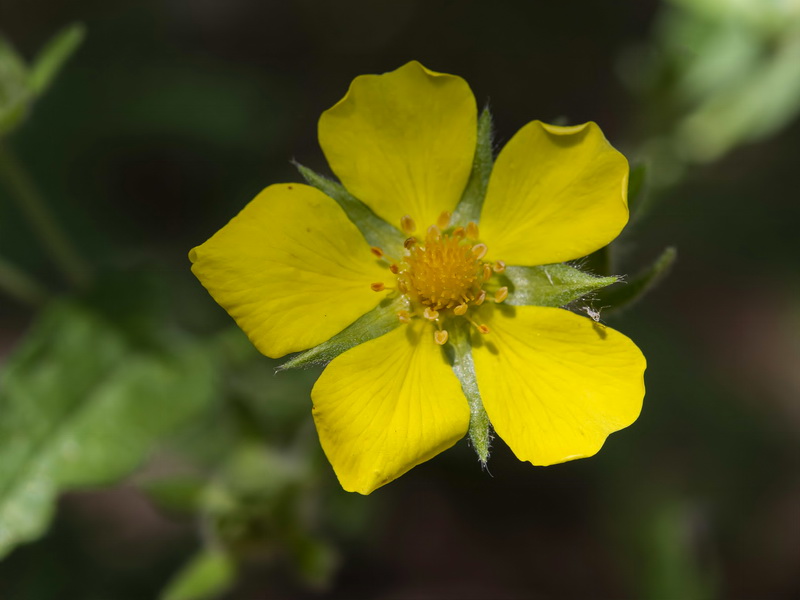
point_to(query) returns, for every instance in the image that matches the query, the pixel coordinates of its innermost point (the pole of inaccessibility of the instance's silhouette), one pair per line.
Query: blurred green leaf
(316, 561)
(375, 230)
(625, 295)
(52, 57)
(550, 285)
(83, 405)
(469, 208)
(637, 196)
(14, 88)
(380, 320)
(208, 574)
(673, 540)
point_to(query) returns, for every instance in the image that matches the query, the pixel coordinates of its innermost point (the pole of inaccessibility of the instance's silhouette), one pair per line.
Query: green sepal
(550, 285)
(207, 575)
(469, 208)
(52, 57)
(375, 230)
(460, 353)
(625, 296)
(380, 320)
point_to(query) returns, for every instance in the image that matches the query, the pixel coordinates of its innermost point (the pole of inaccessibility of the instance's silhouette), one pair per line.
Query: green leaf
(375, 230)
(52, 57)
(380, 320)
(550, 285)
(480, 429)
(624, 296)
(640, 200)
(469, 208)
(15, 92)
(82, 405)
(207, 575)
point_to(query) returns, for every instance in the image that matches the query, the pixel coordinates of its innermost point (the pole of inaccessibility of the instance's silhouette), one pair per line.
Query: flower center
(443, 275)
(443, 272)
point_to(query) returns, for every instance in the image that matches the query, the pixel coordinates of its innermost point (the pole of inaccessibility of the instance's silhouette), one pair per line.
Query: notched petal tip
(565, 187)
(403, 142)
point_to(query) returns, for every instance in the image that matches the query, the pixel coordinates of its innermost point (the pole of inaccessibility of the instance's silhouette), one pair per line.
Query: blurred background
(147, 451)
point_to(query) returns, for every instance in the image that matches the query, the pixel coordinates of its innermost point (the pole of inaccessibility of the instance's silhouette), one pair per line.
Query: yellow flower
(293, 270)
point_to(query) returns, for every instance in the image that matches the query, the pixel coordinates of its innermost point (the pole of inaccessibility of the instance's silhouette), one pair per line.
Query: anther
(483, 329)
(499, 266)
(501, 294)
(458, 233)
(404, 316)
(409, 242)
(378, 286)
(440, 337)
(479, 251)
(376, 251)
(430, 313)
(480, 298)
(434, 233)
(460, 309)
(472, 231)
(444, 220)
(407, 225)
(394, 268)
(487, 271)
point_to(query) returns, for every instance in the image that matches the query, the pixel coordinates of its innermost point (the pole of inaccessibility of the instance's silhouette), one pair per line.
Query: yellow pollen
(430, 314)
(407, 225)
(461, 309)
(440, 336)
(487, 271)
(479, 250)
(441, 273)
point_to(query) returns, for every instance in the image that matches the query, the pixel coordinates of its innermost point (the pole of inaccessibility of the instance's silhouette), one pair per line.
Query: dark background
(174, 114)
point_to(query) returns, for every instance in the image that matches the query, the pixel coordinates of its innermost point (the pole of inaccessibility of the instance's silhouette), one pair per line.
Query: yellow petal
(555, 194)
(555, 384)
(403, 142)
(388, 405)
(290, 268)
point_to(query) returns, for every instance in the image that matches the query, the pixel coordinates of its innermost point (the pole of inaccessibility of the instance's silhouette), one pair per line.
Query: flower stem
(19, 285)
(23, 190)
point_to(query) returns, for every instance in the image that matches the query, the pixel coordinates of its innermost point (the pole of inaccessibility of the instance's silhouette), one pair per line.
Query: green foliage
(14, 90)
(624, 296)
(637, 191)
(83, 404)
(206, 575)
(469, 208)
(550, 285)
(380, 320)
(20, 85)
(261, 507)
(375, 230)
(52, 57)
